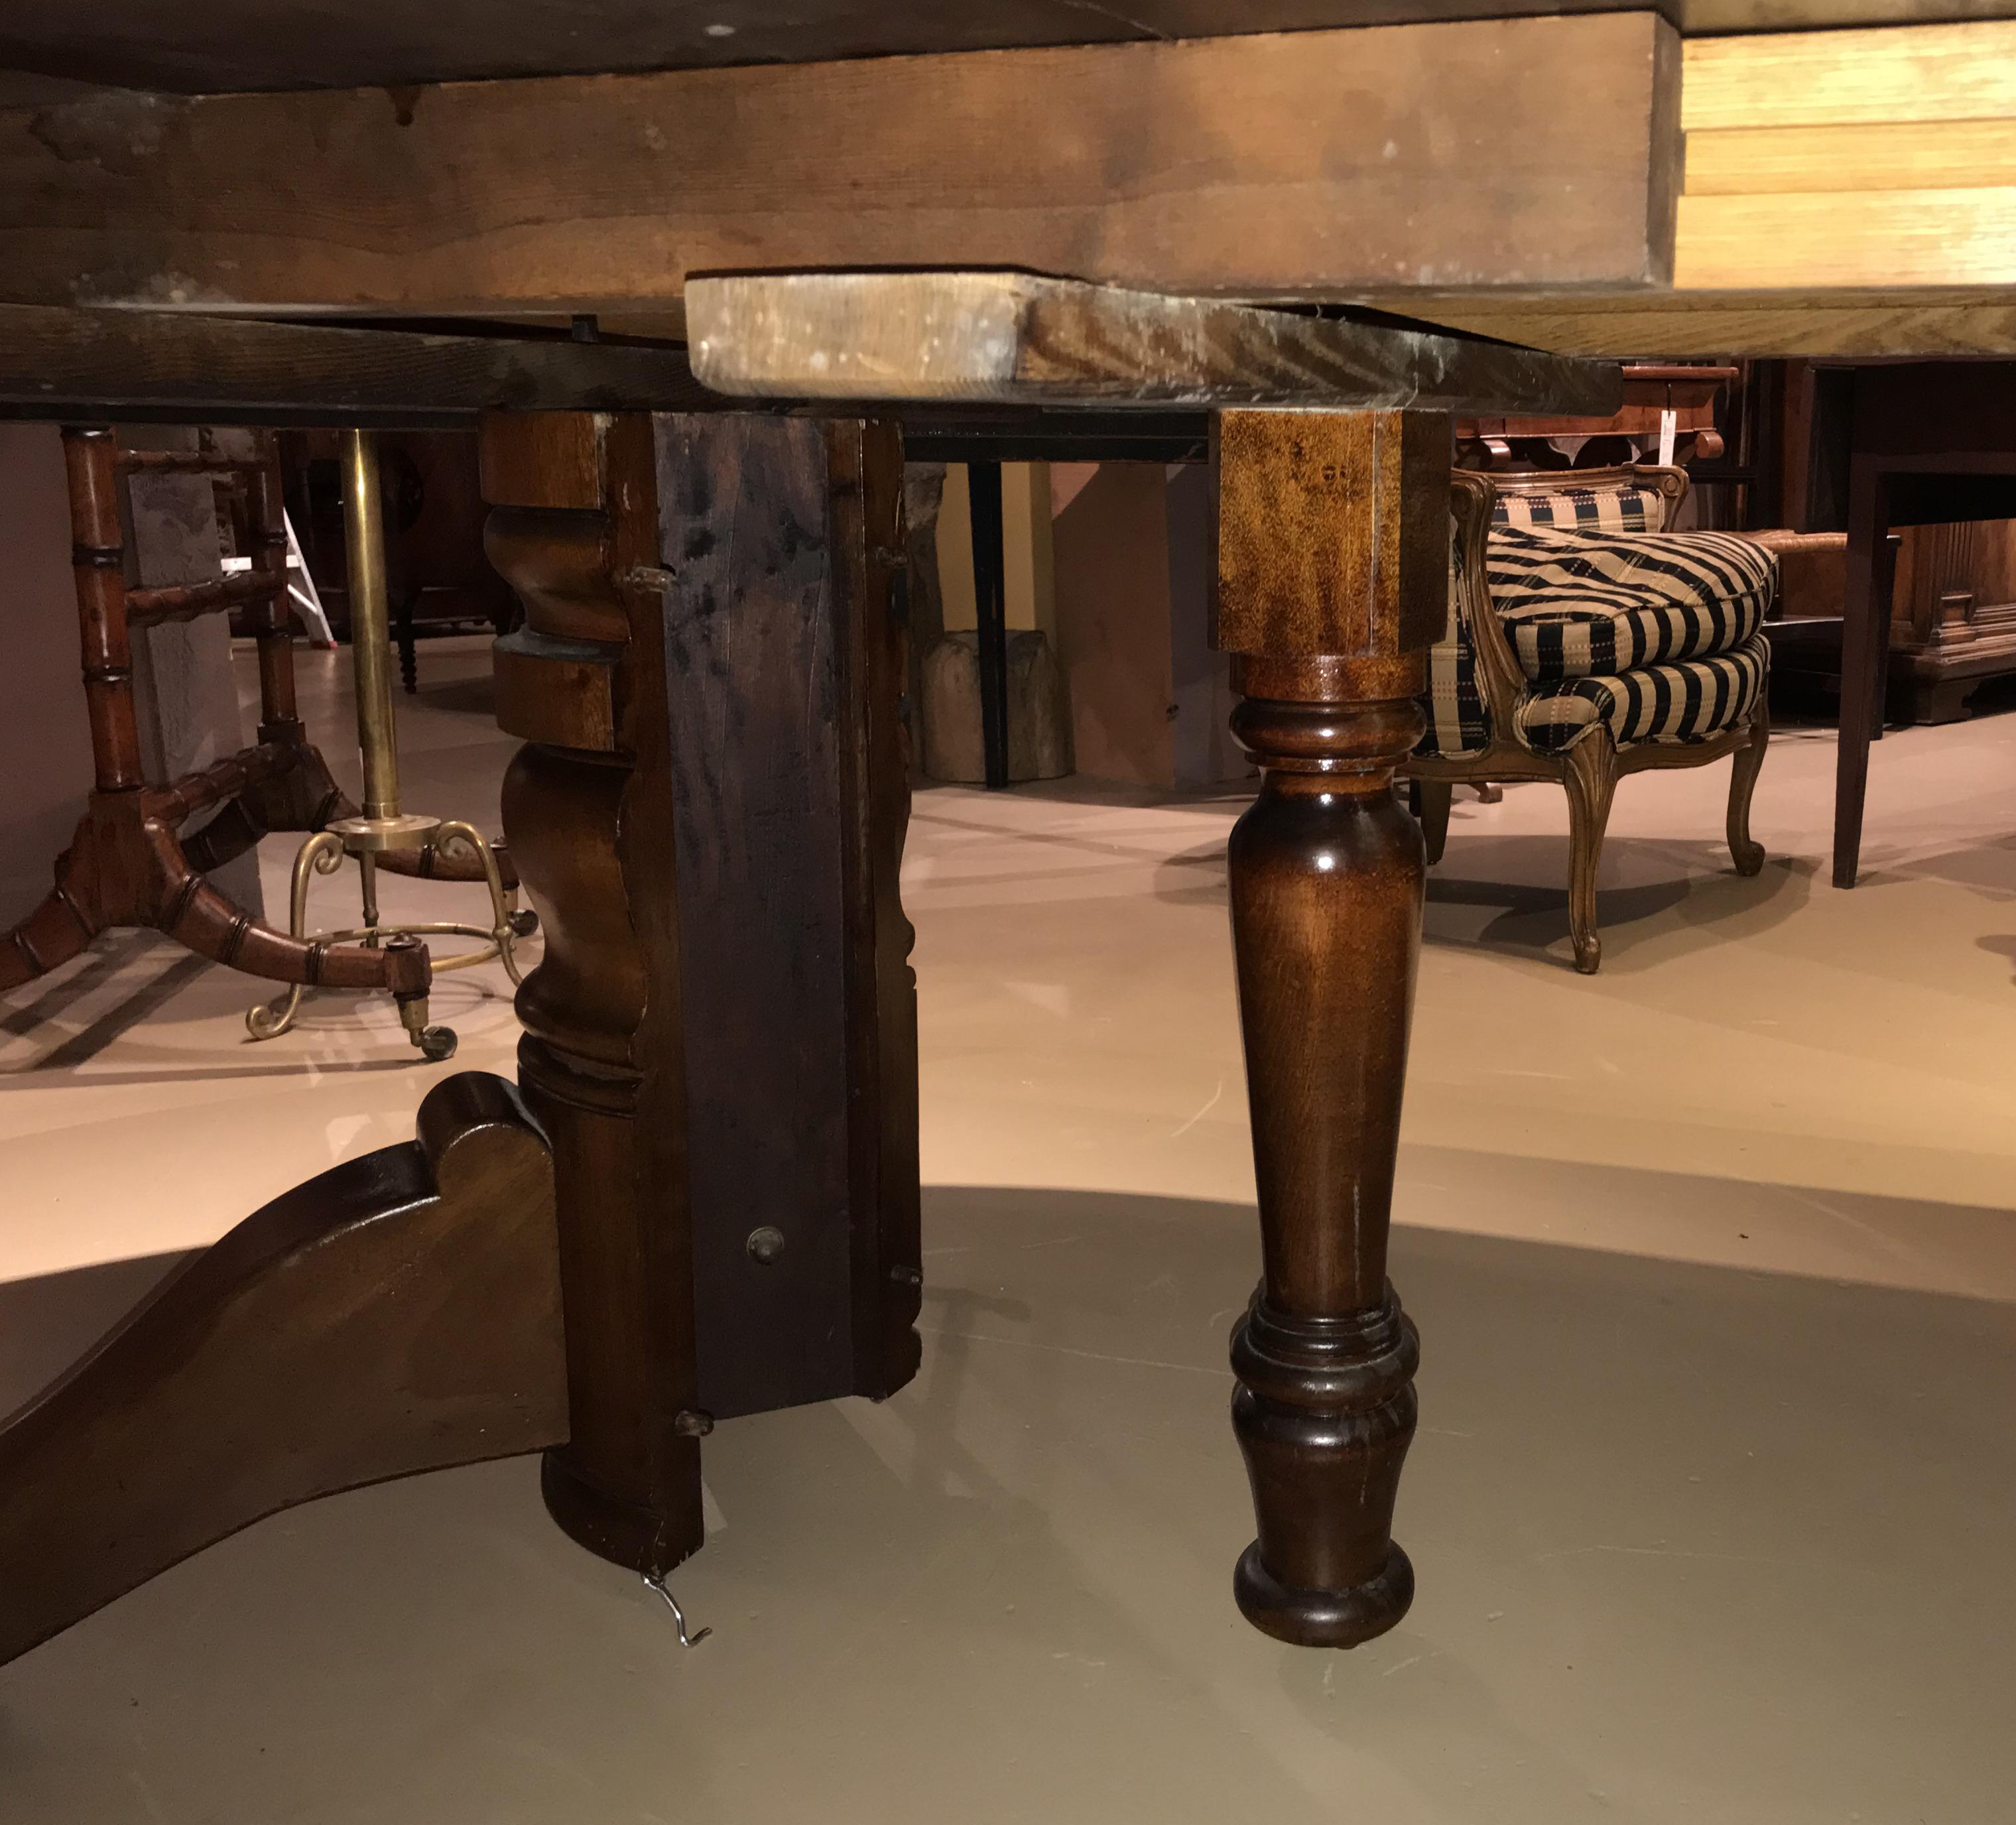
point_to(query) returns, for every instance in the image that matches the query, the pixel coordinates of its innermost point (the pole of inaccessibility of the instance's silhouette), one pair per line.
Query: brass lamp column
(383, 826)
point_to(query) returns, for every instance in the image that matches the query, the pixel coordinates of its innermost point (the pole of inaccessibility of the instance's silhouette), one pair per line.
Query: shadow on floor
(1691, 1541)
(1693, 900)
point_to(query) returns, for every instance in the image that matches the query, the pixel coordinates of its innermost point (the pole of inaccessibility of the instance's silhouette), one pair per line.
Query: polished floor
(1714, 1253)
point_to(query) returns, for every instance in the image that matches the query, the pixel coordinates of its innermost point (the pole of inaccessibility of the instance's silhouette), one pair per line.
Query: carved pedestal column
(1332, 551)
(721, 1039)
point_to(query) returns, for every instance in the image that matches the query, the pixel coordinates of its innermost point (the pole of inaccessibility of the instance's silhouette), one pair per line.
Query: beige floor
(1714, 1504)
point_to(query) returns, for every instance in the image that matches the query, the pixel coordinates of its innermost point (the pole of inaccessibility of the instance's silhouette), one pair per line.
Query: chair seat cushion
(1686, 702)
(1578, 604)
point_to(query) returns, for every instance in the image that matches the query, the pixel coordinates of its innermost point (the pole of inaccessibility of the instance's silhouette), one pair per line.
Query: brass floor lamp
(383, 826)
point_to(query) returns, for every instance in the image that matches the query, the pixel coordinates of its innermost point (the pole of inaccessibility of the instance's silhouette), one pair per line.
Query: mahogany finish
(1932, 443)
(720, 1038)
(400, 1312)
(1326, 869)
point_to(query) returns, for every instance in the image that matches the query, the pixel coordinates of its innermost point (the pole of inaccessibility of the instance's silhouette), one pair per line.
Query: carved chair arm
(1813, 573)
(1501, 678)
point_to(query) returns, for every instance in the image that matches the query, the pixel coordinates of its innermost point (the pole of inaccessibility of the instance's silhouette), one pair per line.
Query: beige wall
(44, 744)
(1132, 555)
(1025, 540)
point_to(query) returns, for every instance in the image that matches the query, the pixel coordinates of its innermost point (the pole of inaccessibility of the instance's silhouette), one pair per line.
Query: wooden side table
(1932, 443)
(1668, 408)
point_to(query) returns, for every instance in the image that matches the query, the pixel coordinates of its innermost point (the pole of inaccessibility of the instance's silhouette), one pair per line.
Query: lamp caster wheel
(437, 1043)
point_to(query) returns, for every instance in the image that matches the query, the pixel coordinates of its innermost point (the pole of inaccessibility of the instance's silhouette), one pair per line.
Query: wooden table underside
(706, 1202)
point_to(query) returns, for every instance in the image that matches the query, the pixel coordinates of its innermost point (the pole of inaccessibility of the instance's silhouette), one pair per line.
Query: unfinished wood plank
(1697, 325)
(1959, 72)
(143, 364)
(1910, 155)
(1301, 164)
(1888, 238)
(1020, 339)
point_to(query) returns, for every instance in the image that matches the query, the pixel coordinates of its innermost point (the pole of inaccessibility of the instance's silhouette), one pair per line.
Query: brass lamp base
(383, 828)
(364, 838)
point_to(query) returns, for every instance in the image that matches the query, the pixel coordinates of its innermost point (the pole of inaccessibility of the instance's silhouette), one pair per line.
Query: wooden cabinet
(1953, 616)
(1953, 604)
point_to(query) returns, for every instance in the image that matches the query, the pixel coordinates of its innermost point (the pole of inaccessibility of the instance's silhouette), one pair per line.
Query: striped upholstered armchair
(1584, 642)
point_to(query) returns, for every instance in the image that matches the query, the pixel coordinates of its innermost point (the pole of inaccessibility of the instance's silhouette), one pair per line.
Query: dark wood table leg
(720, 1039)
(720, 1194)
(1333, 542)
(990, 615)
(1863, 656)
(398, 1313)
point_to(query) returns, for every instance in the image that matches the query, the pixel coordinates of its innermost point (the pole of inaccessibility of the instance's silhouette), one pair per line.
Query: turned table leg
(1333, 535)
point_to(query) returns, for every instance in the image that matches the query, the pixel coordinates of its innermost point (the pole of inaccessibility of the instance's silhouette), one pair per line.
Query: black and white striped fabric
(1655, 634)
(1459, 719)
(1594, 604)
(1582, 510)
(1686, 702)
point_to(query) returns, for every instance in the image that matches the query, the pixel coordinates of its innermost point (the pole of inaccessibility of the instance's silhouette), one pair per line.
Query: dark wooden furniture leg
(1863, 657)
(1333, 535)
(398, 1313)
(990, 613)
(720, 1039)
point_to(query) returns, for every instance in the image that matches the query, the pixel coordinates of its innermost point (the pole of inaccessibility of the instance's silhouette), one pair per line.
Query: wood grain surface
(1284, 164)
(1020, 339)
(155, 364)
(399, 1312)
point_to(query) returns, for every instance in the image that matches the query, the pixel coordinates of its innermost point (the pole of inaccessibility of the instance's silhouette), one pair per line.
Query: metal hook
(679, 1616)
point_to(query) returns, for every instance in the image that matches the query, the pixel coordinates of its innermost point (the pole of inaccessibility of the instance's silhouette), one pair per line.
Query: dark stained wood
(216, 44)
(1651, 389)
(1307, 165)
(1932, 443)
(780, 545)
(1020, 338)
(181, 366)
(400, 1312)
(721, 1035)
(601, 1063)
(1326, 877)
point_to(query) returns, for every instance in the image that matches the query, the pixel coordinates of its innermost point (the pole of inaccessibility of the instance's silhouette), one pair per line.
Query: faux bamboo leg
(97, 557)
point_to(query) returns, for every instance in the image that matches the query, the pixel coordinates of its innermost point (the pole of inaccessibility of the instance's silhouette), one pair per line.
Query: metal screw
(765, 1244)
(906, 1276)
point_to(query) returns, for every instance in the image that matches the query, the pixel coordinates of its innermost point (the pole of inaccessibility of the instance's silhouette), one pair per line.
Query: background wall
(45, 747)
